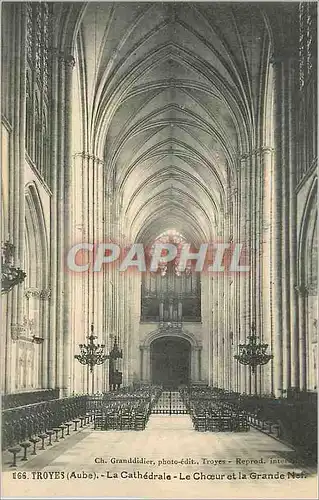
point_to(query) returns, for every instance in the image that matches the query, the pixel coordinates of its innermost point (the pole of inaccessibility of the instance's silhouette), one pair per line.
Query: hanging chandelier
(91, 354)
(10, 275)
(253, 353)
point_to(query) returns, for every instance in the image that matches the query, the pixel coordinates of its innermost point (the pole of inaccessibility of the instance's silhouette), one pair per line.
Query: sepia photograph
(159, 250)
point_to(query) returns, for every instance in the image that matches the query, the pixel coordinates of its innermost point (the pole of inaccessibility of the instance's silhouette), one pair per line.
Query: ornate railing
(20, 423)
(28, 397)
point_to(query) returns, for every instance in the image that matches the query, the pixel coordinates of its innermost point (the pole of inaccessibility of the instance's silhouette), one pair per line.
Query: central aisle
(166, 423)
(218, 465)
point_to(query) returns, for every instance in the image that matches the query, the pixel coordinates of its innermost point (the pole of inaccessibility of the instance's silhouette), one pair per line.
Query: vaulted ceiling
(170, 98)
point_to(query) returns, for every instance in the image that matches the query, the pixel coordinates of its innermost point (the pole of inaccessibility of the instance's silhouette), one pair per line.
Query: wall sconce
(37, 340)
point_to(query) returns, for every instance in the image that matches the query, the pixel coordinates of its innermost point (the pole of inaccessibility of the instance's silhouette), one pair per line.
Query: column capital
(32, 292)
(302, 290)
(86, 155)
(312, 289)
(257, 151)
(145, 348)
(69, 60)
(245, 156)
(283, 56)
(63, 57)
(198, 348)
(45, 294)
(265, 149)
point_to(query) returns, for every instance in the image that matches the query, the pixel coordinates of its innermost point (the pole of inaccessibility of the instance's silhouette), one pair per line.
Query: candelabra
(115, 377)
(10, 275)
(253, 353)
(115, 353)
(92, 354)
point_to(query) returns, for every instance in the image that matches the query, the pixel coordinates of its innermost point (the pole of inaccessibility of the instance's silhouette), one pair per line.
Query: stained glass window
(38, 46)
(30, 31)
(29, 132)
(41, 40)
(175, 238)
(307, 40)
(38, 138)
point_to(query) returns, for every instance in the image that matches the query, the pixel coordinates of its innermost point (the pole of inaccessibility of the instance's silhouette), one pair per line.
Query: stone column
(45, 330)
(91, 291)
(16, 193)
(220, 332)
(141, 363)
(179, 311)
(225, 334)
(266, 326)
(194, 371)
(235, 323)
(285, 331)
(20, 242)
(59, 215)
(98, 166)
(125, 337)
(302, 341)
(147, 363)
(244, 318)
(55, 127)
(215, 331)
(161, 311)
(170, 309)
(208, 359)
(251, 233)
(7, 301)
(67, 185)
(199, 350)
(292, 252)
(108, 286)
(283, 164)
(279, 102)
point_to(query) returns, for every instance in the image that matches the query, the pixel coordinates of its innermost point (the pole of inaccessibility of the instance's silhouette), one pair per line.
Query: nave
(166, 439)
(136, 438)
(185, 127)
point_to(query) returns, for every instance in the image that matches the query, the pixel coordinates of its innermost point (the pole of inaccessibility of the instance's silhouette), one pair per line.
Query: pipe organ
(171, 297)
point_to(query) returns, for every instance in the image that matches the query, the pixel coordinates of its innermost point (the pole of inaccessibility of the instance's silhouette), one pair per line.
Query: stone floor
(199, 465)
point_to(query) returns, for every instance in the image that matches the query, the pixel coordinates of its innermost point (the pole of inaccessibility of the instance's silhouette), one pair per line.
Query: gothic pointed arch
(30, 355)
(182, 333)
(308, 287)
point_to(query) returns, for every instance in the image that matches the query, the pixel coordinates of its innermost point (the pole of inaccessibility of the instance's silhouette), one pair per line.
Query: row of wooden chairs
(125, 420)
(214, 415)
(46, 438)
(129, 414)
(219, 422)
(126, 409)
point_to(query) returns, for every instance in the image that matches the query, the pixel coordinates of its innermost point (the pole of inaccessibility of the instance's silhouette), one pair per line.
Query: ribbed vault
(169, 97)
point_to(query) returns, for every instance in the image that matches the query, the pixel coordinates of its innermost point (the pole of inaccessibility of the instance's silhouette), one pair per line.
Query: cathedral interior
(159, 123)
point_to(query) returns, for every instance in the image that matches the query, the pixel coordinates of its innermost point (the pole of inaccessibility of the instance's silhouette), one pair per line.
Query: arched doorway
(170, 361)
